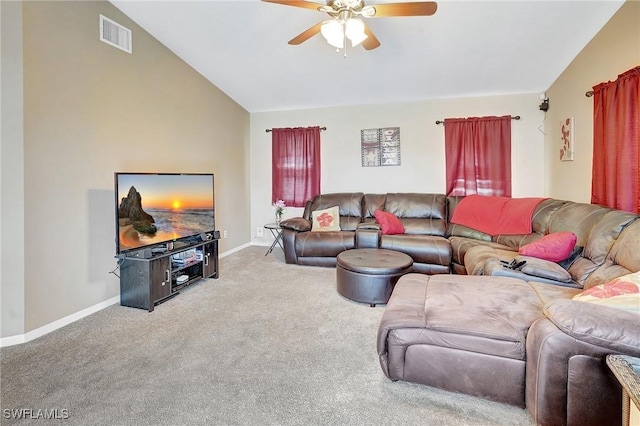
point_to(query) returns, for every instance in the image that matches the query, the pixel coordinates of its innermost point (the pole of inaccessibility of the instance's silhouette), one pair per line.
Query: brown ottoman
(368, 275)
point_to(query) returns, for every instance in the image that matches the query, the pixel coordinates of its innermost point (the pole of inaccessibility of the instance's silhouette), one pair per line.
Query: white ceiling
(466, 49)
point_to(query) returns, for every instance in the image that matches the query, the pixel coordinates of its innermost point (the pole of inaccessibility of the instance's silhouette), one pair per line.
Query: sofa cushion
(621, 293)
(543, 269)
(611, 250)
(326, 220)
(476, 257)
(389, 223)
(458, 310)
(554, 247)
(430, 249)
(350, 204)
(323, 244)
(421, 214)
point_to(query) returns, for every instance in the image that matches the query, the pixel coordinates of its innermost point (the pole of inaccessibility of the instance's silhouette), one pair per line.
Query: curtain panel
(616, 143)
(295, 161)
(478, 155)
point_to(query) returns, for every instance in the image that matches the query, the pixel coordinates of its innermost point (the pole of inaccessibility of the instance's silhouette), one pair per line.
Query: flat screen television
(156, 208)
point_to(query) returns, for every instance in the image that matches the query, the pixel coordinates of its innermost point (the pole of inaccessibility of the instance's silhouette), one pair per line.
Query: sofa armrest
(405, 310)
(567, 380)
(368, 235)
(610, 328)
(296, 224)
(495, 268)
(567, 376)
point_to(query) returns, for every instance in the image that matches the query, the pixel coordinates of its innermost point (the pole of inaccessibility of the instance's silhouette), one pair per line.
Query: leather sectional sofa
(508, 337)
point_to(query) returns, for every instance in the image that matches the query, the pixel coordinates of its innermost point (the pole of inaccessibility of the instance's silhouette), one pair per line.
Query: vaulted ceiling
(466, 49)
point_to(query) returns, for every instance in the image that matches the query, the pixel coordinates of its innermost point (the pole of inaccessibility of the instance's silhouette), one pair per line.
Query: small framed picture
(380, 147)
(566, 149)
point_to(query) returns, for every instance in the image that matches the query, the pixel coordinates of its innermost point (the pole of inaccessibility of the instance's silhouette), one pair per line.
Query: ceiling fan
(345, 23)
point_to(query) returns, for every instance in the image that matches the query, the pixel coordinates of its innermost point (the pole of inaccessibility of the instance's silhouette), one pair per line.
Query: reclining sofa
(424, 217)
(484, 330)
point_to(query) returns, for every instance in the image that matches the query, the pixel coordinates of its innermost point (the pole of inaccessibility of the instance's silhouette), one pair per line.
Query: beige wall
(11, 172)
(91, 110)
(614, 50)
(422, 166)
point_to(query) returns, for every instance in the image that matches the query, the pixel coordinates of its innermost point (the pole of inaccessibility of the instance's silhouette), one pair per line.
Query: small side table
(627, 371)
(276, 231)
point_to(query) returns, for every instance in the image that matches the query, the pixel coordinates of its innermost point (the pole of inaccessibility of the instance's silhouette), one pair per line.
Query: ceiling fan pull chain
(345, 43)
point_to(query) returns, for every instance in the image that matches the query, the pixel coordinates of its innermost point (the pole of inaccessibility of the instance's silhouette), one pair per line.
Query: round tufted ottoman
(368, 275)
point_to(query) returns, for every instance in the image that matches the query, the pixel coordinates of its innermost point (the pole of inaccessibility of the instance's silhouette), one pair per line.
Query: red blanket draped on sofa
(496, 215)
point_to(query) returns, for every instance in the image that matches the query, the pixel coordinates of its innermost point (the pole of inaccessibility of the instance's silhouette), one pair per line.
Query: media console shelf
(146, 282)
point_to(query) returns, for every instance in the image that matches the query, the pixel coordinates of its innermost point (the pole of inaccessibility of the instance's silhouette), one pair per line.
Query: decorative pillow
(543, 269)
(622, 293)
(389, 223)
(554, 247)
(326, 220)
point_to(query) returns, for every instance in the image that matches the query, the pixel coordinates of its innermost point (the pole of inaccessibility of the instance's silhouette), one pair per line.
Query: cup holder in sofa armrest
(297, 224)
(368, 235)
(603, 326)
(370, 226)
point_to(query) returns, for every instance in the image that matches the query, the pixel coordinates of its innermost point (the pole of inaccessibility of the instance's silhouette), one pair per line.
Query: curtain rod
(516, 117)
(589, 94)
(321, 129)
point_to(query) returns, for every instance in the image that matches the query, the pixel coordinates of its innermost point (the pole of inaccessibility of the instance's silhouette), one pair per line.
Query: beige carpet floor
(265, 344)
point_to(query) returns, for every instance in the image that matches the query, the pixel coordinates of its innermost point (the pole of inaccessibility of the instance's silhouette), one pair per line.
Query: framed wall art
(566, 150)
(380, 147)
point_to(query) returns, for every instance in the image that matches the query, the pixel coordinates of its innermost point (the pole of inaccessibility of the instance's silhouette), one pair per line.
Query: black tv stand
(146, 282)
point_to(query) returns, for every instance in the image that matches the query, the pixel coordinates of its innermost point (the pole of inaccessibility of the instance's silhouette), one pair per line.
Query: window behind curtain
(295, 160)
(616, 143)
(478, 155)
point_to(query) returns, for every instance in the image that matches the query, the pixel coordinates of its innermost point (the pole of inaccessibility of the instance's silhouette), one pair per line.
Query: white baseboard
(46, 329)
(260, 243)
(227, 253)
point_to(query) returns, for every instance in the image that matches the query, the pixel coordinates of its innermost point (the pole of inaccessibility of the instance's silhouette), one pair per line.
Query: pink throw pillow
(389, 223)
(554, 247)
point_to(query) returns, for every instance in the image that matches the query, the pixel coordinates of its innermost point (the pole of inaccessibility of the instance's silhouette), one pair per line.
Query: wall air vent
(115, 34)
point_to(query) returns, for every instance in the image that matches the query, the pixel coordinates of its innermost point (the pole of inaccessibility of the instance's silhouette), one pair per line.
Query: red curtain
(616, 143)
(478, 155)
(295, 160)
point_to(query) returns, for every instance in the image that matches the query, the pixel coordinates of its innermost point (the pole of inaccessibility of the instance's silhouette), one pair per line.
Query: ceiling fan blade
(298, 3)
(306, 35)
(371, 42)
(421, 8)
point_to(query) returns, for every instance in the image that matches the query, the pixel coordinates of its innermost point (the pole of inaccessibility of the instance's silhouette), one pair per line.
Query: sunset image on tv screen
(155, 208)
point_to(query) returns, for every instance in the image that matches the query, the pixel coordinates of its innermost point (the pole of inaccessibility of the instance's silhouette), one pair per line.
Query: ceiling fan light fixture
(354, 30)
(333, 32)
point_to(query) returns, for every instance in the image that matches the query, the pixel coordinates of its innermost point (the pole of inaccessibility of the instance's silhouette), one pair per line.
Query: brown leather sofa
(522, 342)
(424, 217)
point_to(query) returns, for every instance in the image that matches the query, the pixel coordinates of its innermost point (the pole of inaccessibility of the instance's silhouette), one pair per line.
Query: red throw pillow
(554, 247)
(389, 223)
